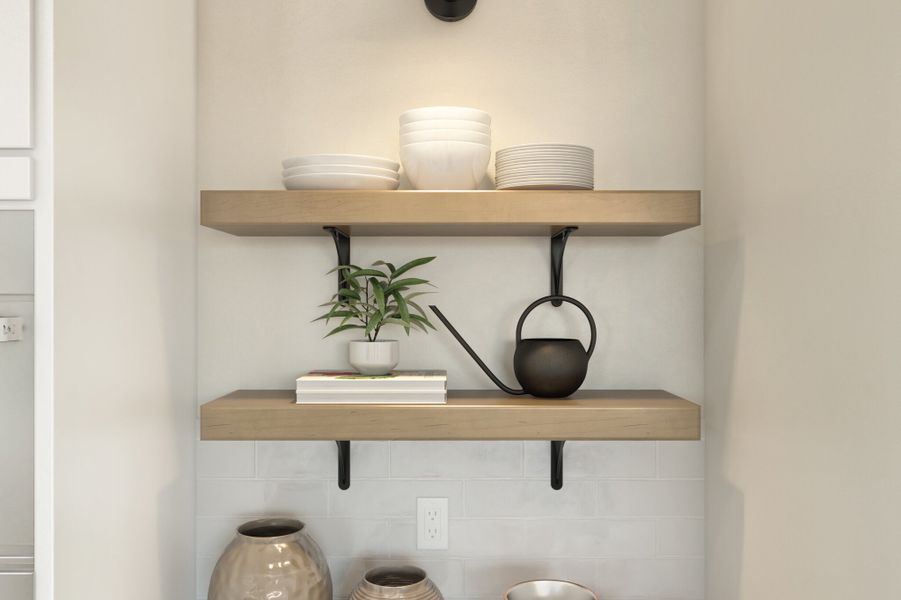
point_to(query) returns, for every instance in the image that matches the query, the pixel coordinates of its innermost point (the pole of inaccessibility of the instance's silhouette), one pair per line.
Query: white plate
(545, 174)
(550, 179)
(430, 124)
(340, 159)
(544, 181)
(320, 169)
(522, 147)
(545, 186)
(558, 158)
(445, 112)
(457, 135)
(339, 181)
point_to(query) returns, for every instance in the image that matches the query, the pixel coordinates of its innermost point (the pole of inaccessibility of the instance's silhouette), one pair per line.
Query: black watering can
(544, 367)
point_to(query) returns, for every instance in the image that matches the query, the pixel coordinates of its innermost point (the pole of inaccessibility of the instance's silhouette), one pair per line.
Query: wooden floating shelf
(468, 415)
(476, 213)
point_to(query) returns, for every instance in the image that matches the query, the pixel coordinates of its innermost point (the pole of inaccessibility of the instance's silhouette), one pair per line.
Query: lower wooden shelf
(468, 415)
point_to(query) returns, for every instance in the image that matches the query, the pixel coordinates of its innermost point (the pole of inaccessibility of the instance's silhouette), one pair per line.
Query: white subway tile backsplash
(319, 460)
(392, 497)
(225, 459)
(346, 573)
(365, 538)
(590, 537)
(593, 459)
(460, 460)
(230, 497)
(680, 537)
(680, 459)
(531, 498)
(467, 538)
(670, 578)
(651, 498)
(494, 577)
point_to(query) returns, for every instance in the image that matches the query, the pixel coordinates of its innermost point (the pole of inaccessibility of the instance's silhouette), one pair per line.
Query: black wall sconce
(450, 10)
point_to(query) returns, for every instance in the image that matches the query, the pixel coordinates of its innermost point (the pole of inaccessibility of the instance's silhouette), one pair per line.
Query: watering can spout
(475, 356)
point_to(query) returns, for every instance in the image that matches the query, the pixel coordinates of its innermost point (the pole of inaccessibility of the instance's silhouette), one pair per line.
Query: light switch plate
(11, 329)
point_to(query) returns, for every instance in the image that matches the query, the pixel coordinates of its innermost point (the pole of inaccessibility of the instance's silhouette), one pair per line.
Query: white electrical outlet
(11, 329)
(431, 524)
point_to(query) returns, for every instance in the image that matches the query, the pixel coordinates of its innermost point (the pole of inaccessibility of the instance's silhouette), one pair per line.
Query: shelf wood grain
(476, 213)
(468, 415)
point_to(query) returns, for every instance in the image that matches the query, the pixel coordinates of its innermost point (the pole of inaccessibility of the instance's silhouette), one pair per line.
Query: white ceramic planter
(374, 358)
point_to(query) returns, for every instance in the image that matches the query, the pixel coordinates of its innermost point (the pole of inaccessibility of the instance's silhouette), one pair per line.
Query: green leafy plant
(378, 296)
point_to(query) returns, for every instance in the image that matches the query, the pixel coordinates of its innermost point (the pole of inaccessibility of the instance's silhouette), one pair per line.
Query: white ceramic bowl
(445, 112)
(445, 165)
(340, 159)
(339, 181)
(458, 135)
(429, 124)
(314, 169)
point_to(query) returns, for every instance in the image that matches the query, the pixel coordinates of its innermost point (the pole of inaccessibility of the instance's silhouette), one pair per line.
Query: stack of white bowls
(445, 147)
(340, 172)
(545, 167)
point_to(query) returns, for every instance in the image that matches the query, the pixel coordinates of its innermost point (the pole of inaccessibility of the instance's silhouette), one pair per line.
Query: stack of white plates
(545, 167)
(445, 147)
(339, 172)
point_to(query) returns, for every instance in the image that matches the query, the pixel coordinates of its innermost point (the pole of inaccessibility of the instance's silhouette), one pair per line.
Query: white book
(384, 397)
(396, 381)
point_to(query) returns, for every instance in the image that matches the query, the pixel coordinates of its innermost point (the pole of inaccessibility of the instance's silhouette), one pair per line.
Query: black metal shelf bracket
(557, 464)
(342, 245)
(343, 464)
(558, 245)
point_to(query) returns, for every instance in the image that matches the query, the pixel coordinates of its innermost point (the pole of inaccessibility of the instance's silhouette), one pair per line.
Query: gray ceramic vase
(271, 558)
(396, 583)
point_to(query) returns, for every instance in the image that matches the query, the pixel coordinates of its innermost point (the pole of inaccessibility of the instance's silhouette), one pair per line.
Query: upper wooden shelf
(476, 213)
(468, 415)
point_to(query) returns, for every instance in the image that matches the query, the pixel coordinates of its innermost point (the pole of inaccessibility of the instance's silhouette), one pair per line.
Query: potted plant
(370, 300)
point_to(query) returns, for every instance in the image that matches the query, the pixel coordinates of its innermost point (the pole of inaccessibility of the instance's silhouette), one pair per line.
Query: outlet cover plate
(431, 523)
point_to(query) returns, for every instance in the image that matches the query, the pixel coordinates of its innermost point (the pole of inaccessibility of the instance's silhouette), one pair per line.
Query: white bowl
(445, 165)
(315, 169)
(339, 181)
(445, 112)
(429, 124)
(459, 135)
(340, 159)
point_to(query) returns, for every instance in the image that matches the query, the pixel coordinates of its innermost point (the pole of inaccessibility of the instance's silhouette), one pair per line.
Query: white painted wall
(124, 250)
(803, 247)
(624, 76)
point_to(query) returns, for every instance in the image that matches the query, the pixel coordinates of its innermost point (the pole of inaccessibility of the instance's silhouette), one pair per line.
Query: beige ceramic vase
(396, 583)
(268, 559)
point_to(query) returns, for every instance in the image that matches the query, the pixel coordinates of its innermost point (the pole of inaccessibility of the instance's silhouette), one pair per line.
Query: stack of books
(347, 387)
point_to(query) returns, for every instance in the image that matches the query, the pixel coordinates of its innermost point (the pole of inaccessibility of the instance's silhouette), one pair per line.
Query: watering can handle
(574, 302)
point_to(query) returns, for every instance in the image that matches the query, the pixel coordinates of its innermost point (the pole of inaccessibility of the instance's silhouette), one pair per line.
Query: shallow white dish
(316, 169)
(340, 159)
(524, 147)
(339, 181)
(545, 186)
(445, 112)
(429, 124)
(459, 135)
(445, 165)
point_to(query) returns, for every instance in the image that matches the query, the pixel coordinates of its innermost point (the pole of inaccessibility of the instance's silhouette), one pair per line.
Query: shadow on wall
(725, 502)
